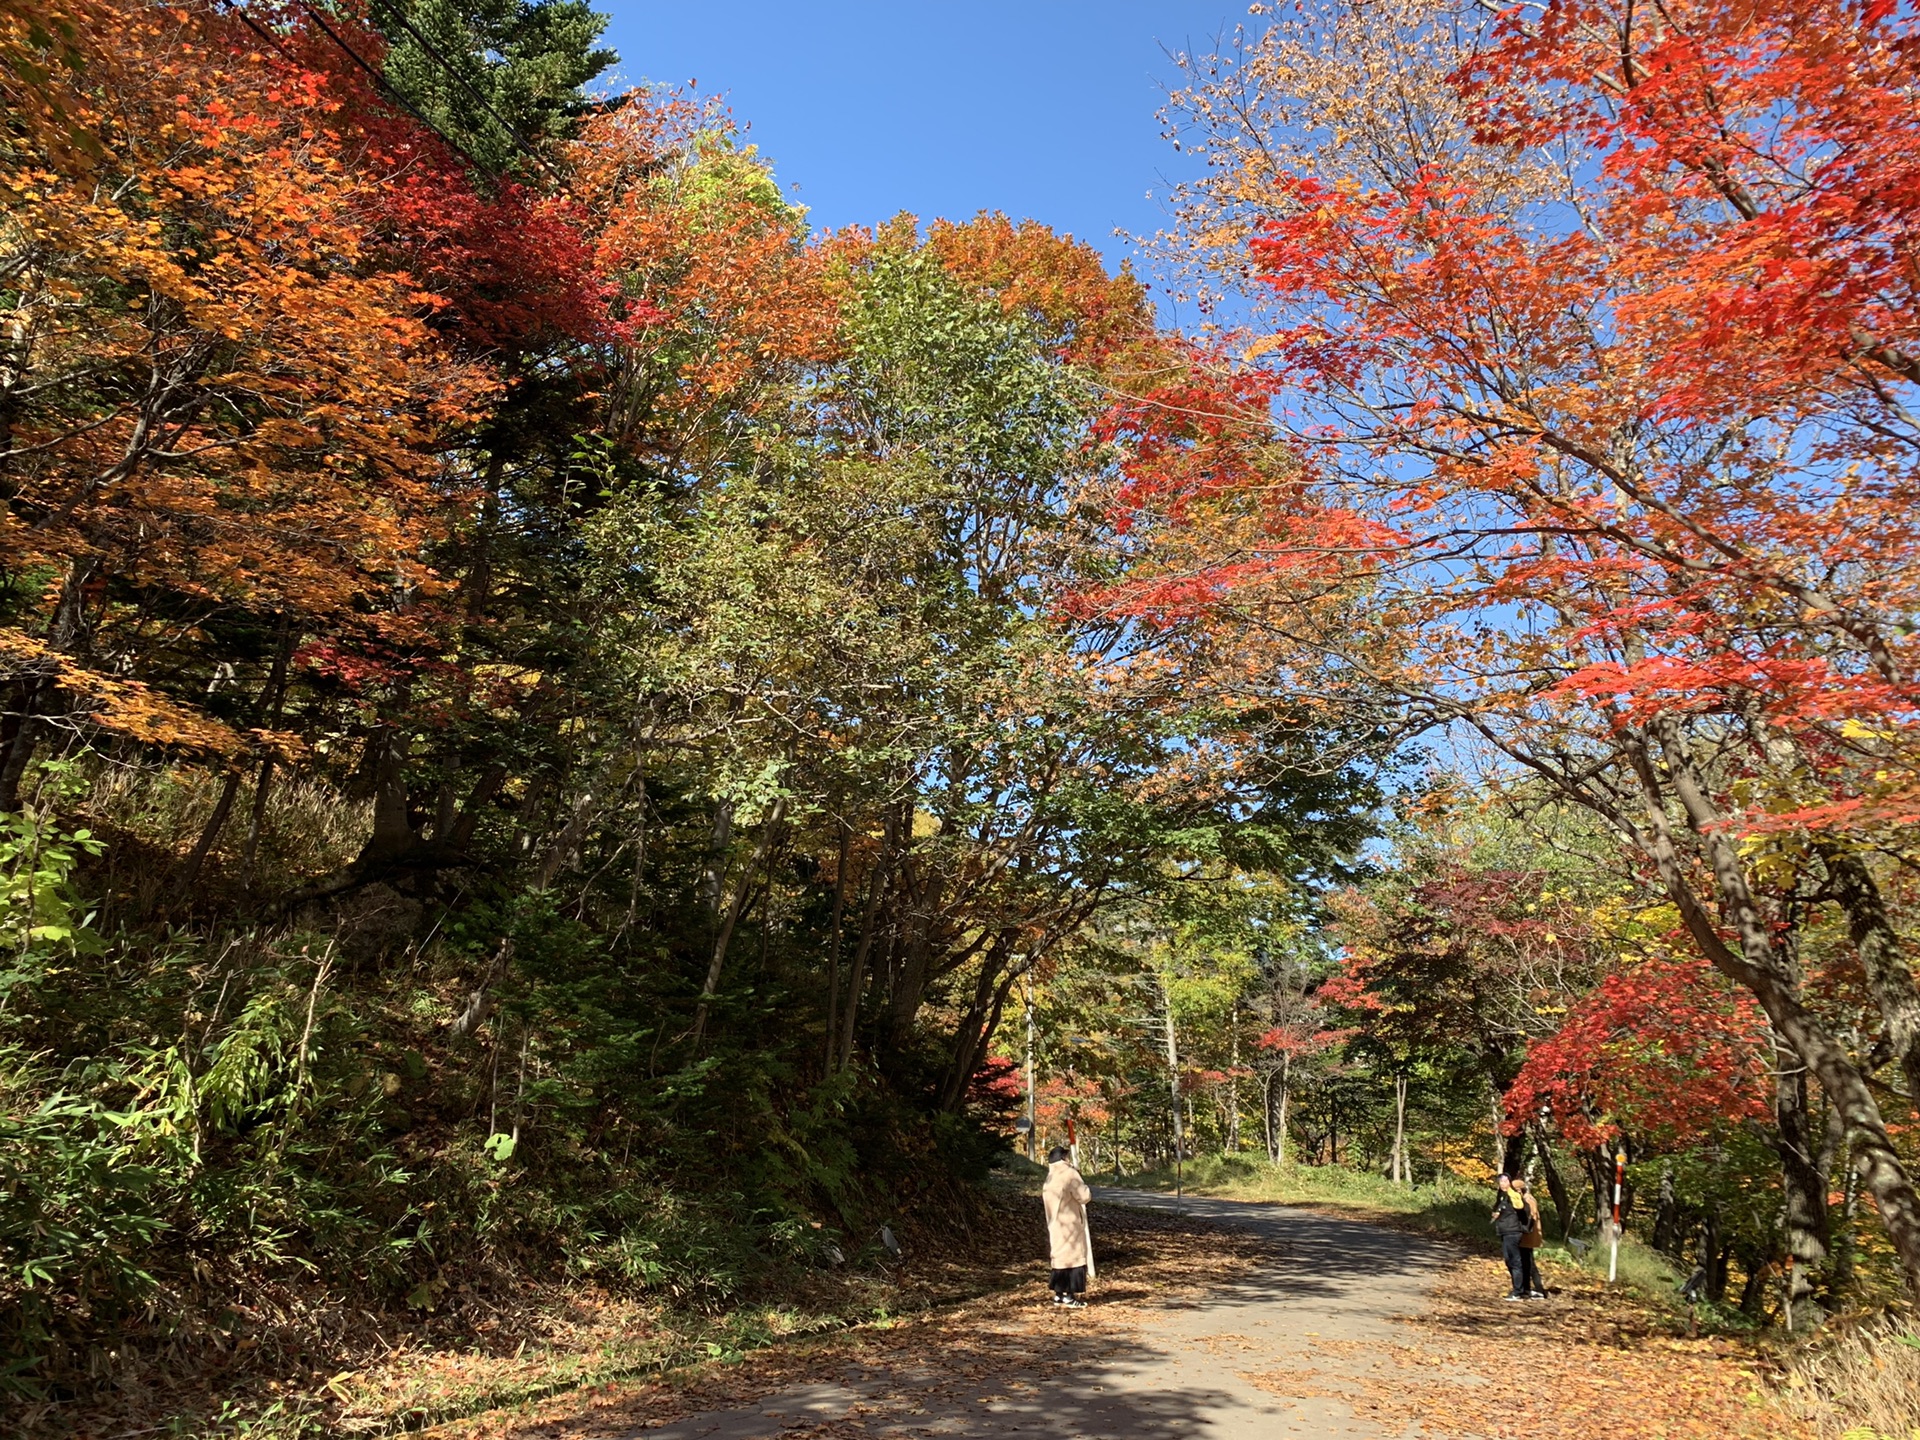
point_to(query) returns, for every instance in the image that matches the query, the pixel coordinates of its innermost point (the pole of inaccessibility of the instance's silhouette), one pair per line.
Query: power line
(387, 85)
(233, 7)
(399, 16)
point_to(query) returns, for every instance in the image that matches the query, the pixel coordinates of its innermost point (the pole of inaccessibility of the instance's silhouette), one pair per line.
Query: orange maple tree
(717, 294)
(217, 399)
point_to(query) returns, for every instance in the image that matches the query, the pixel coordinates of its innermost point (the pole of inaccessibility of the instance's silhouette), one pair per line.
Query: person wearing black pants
(1069, 1244)
(1510, 1224)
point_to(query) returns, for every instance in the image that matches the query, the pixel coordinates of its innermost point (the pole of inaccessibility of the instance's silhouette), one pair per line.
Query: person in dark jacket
(1510, 1223)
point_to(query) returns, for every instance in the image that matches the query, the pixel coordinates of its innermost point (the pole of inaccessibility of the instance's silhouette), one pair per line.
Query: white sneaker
(1516, 1299)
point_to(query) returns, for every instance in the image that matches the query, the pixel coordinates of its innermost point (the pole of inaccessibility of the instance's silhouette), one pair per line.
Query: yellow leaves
(284, 745)
(1854, 729)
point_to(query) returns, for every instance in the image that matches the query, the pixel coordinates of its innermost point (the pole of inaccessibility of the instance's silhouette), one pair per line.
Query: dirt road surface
(1217, 1320)
(1153, 1358)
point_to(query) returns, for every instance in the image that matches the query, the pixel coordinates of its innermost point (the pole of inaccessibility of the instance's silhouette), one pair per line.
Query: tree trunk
(1233, 1087)
(857, 971)
(266, 706)
(1599, 1166)
(1556, 1184)
(256, 820)
(1280, 1131)
(639, 875)
(210, 832)
(833, 948)
(392, 830)
(478, 582)
(731, 919)
(1754, 1293)
(909, 980)
(1667, 1238)
(1888, 974)
(1513, 1154)
(1716, 1257)
(1840, 1273)
(1400, 1177)
(566, 845)
(713, 876)
(1756, 966)
(480, 1004)
(66, 631)
(976, 1027)
(1173, 1073)
(1803, 1183)
(488, 784)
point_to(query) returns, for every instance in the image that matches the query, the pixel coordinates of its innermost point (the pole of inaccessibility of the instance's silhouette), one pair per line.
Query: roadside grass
(555, 1339)
(1860, 1380)
(1450, 1207)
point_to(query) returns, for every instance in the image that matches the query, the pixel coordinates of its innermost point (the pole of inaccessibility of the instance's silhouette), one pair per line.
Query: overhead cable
(400, 17)
(233, 7)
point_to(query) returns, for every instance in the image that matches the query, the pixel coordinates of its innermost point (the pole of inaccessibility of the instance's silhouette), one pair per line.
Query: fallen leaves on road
(1591, 1361)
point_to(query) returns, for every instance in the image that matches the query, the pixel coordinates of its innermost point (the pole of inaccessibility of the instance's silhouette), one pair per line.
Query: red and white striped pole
(1619, 1178)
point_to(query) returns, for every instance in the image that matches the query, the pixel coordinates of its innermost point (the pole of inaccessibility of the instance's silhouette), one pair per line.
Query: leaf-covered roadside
(1590, 1361)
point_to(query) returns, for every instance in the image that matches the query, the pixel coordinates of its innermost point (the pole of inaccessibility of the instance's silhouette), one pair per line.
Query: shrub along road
(1220, 1319)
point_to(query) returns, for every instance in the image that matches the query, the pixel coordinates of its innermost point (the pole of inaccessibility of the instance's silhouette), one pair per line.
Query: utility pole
(1173, 1086)
(1030, 1143)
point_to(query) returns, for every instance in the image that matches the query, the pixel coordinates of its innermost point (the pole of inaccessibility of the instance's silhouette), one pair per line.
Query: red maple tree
(1662, 1049)
(1622, 467)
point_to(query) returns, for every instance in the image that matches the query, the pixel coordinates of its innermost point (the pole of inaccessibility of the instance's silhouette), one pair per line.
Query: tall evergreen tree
(502, 78)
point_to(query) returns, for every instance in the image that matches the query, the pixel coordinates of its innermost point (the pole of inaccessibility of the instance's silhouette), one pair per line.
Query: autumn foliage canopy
(1595, 372)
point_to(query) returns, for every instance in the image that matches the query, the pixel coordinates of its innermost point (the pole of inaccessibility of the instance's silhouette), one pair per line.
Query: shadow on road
(1307, 1255)
(1149, 1361)
(1043, 1387)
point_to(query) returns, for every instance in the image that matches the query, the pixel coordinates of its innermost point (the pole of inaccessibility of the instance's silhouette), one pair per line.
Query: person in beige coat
(1071, 1249)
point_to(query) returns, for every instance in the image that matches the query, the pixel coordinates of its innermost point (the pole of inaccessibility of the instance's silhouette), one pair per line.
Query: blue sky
(1043, 109)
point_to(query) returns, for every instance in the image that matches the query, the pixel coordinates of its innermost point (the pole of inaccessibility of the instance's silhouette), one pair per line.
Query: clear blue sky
(1043, 109)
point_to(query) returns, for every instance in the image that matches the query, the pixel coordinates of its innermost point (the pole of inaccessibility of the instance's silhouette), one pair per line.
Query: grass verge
(519, 1346)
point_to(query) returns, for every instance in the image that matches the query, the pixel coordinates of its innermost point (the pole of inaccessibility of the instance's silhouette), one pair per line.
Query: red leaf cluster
(1663, 1049)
